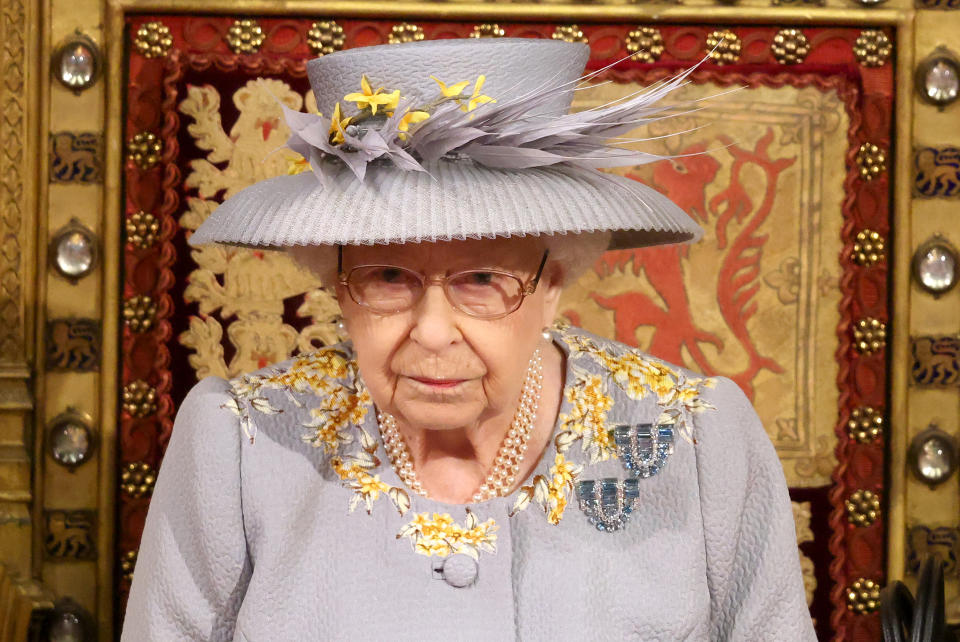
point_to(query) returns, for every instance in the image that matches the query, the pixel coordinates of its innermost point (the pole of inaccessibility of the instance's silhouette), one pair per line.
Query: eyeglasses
(484, 294)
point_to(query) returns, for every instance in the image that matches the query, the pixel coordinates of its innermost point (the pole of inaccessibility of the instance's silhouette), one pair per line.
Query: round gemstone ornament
(70, 438)
(935, 266)
(76, 63)
(938, 78)
(73, 251)
(933, 456)
(70, 443)
(76, 66)
(942, 82)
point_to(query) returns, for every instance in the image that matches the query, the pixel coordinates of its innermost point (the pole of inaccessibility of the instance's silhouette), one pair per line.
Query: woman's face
(432, 366)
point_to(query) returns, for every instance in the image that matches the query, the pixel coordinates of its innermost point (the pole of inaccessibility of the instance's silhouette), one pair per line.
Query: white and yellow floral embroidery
(355, 472)
(440, 536)
(638, 375)
(328, 373)
(331, 420)
(550, 493)
(587, 420)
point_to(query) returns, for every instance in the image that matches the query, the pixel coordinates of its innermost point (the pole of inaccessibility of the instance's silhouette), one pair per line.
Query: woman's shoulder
(335, 361)
(711, 411)
(325, 372)
(579, 342)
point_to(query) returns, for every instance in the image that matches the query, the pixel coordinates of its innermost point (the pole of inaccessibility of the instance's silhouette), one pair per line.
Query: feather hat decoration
(456, 139)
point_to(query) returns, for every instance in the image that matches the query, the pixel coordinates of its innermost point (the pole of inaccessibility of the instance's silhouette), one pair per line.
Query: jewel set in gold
(506, 465)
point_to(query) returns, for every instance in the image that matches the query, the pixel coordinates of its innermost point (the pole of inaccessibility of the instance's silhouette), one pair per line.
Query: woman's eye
(481, 278)
(390, 275)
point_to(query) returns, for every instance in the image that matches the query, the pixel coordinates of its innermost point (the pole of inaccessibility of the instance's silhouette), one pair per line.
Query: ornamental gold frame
(114, 12)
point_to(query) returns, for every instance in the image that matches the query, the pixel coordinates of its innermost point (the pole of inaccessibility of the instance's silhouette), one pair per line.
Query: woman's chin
(438, 415)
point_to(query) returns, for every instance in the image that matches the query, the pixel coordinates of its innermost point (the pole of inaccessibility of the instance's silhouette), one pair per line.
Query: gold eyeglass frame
(526, 289)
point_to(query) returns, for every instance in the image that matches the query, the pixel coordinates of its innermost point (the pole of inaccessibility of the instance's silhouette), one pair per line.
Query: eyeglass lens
(476, 292)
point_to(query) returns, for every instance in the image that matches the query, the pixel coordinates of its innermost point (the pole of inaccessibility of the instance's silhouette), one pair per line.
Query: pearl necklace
(506, 466)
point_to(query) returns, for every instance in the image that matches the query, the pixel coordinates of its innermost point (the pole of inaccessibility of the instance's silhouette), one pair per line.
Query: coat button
(459, 570)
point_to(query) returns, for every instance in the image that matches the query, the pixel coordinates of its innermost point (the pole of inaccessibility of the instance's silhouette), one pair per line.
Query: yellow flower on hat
(337, 125)
(373, 99)
(476, 98)
(411, 118)
(297, 165)
(451, 91)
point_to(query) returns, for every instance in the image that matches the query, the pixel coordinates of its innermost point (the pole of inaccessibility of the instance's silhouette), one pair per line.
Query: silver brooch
(643, 449)
(608, 502)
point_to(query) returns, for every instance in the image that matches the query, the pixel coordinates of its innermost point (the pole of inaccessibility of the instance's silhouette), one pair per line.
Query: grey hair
(574, 252)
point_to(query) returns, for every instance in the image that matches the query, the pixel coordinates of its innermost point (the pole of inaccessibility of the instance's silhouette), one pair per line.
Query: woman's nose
(434, 320)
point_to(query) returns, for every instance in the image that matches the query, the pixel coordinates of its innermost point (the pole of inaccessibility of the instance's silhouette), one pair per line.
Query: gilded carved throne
(770, 298)
(800, 169)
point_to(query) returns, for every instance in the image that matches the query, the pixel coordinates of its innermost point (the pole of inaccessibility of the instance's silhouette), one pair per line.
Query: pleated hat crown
(509, 65)
(515, 162)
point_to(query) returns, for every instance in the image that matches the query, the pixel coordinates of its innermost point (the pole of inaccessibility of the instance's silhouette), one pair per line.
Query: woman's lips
(438, 383)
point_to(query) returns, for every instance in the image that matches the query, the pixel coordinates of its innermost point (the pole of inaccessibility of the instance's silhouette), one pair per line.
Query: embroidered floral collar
(336, 424)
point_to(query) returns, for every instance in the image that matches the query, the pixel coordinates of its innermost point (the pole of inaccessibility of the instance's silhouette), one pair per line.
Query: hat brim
(454, 200)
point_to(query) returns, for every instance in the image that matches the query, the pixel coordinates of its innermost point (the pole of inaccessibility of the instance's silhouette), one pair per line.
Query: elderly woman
(462, 467)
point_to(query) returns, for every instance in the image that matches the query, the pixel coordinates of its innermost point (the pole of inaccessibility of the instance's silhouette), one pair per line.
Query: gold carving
(139, 312)
(325, 37)
(865, 424)
(142, 229)
(869, 335)
(872, 48)
(868, 248)
(138, 479)
(144, 150)
(487, 30)
(153, 40)
(790, 46)
(645, 44)
(76, 157)
(246, 287)
(73, 344)
(569, 33)
(863, 508)
(245, 36)
(801, 520)
(139, 399)
(723, 47)
(24, 601)
(70, 534)
(871, 160)
(128, 561)
(863, 596)
(405, 32)
(13, 188)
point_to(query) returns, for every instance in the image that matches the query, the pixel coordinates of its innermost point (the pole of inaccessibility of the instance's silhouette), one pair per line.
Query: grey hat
(455, 139)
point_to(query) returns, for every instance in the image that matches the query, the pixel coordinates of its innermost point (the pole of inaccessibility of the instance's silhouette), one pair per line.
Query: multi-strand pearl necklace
(506, 465)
